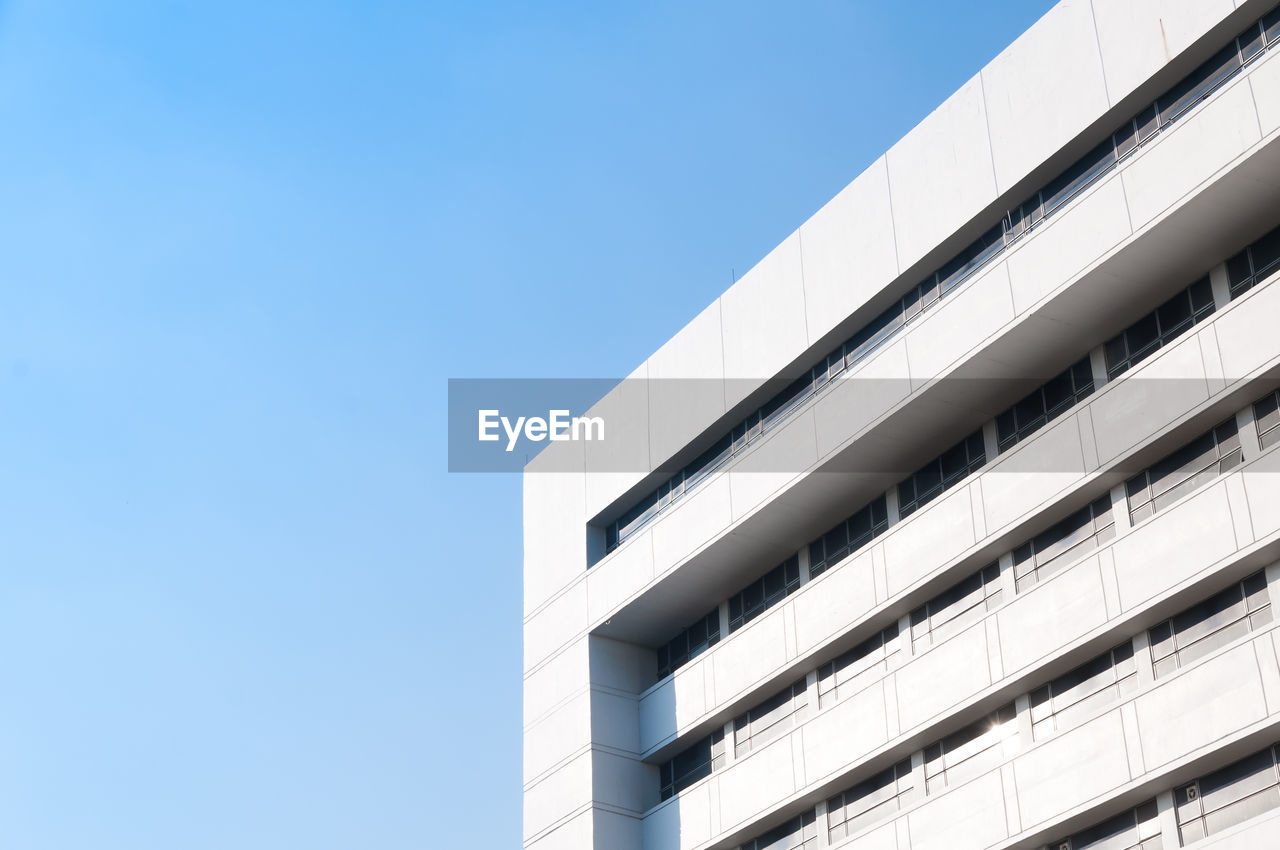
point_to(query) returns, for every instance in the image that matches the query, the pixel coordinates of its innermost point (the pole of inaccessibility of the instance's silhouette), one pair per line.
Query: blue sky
(244, 246)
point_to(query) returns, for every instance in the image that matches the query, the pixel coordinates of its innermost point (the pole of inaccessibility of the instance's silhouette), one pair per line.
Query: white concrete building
(955, 523)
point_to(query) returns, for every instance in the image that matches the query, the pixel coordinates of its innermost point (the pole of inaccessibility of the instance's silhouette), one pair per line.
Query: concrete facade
(604, 731)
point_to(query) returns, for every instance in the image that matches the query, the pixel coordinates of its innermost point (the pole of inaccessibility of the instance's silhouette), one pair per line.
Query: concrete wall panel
(1071, 769)
(686, 390)
(764, 320)
(1073, 239)
(1034, 106)
(848, 251)
(928, 539)
(1204, 143)
(1200, 705)
(942, 677)
(940, 174)
(847, 592)
(1157, 555)
(1061, 610)
(1139, 37)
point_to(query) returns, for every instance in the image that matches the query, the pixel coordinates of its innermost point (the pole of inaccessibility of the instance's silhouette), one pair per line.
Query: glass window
(799, 833)
(1136, 829)
(848, 537)
(697, 762)
(1076, 536)
(1195, 464)
(1198, 84)
(1078, 694)
(1044, 404)
(1271, 23)
(972, 751)
(1159, 327)
(1229, 796)
(955, 608)
(869, 801)
(1251, 42)
(1078, 176)
(858, 667)
(689, 644)
(941, 474)
(1254, 264)
(1184, 638)
(763, 593)
(1266, 417)
(771, 718)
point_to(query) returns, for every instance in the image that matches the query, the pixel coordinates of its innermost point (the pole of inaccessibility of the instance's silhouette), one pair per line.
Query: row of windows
(1266, 417)
(1229, 796)
(1203, 459)
(1176, 642)
(763, 593)
(1016, 223)
(1241, 609)
(1210, 455)
(1254, 264)
(690, 643)
(1136, 829)
(1084, 531)
(1158, 328)
(691, 765)
(1059, 395)
(1204, 807)
(941, 474)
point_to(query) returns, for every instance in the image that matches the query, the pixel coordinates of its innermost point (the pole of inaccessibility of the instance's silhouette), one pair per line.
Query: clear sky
(242, 247)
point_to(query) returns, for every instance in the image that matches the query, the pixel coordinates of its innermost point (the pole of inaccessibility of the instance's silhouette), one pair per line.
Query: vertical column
(1221, 286)
(1008, 581)
(990, 440)
(891, 505)
(1248, 428)
(1120, 509)
(1168, 817)
(803, 558)
(1098, 363)
(1142, 660)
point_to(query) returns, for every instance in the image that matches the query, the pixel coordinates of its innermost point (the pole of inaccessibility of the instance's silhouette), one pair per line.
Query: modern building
(955, 523)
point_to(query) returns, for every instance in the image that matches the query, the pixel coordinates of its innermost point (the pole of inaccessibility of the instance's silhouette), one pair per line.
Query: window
(1254, 264)
(1071, 697)
(1136, 829)
(1242, 608)
(695, 763)
(1199, 84)
(971, 751)
(689, 644)
(799, 833)
(941, 474)
(1044, 404)
(848, 537)
(763, 593)
(869, 801)
(1076, 536)
(1266, 416)
(955, 608)
(1200, 461)
(1228, 796)
(1159, 327)
(855, 668)
(770, 719)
